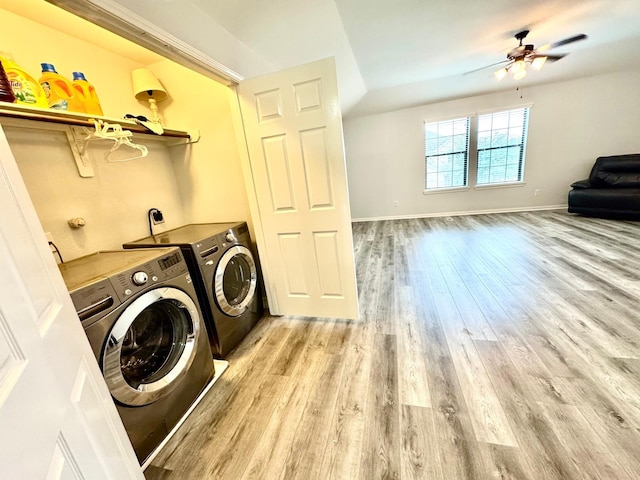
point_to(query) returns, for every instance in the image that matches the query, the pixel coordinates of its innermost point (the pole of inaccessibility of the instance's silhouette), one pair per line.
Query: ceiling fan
(527, 55)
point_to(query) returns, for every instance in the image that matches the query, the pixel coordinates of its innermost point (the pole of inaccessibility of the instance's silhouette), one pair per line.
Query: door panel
(292, 253)
(327, 260)
(12, 359)
(313, 146)
(278, 169)
(296, 170)
(63, 466)
(40, 296)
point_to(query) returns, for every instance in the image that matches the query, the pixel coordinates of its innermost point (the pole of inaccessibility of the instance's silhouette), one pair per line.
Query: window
(446, 153)
(501, 144)
(489, 148)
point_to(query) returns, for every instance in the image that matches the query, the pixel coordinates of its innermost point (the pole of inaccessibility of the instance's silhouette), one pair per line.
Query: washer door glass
(154, 342)
(235, 281)
(151, 346)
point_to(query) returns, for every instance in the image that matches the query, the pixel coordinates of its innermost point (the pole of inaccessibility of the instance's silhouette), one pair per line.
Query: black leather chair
(612, 189)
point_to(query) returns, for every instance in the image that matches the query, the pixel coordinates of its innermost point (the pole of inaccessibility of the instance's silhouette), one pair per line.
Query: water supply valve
(77, 222)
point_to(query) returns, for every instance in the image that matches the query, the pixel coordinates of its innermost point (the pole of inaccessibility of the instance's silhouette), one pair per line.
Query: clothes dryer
(140, 312)
(222, 262)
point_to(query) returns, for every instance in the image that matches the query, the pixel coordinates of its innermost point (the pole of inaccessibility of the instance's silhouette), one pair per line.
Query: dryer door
(235, 281)
(151, 346)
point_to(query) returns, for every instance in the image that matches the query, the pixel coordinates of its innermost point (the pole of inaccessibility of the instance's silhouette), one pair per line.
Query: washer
(223, 265)
(140, 312)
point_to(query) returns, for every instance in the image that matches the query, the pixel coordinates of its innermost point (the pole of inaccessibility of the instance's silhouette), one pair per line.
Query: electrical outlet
(396, 203)
(157, 217)
(536, 192)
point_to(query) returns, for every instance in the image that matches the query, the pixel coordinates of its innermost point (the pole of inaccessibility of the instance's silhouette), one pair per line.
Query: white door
(296, 177)
(57, 419)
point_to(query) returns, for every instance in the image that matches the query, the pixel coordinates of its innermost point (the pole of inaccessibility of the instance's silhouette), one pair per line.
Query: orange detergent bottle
(59, 92)
(88, 93)
(25, 88)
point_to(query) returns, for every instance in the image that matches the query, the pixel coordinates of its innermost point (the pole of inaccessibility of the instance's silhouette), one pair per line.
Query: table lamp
(147, 87)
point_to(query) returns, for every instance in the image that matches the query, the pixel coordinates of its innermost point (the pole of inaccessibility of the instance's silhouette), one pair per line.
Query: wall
(114, 202)
(197, 183)
(571, 123)
(208, 173)
(31, 43)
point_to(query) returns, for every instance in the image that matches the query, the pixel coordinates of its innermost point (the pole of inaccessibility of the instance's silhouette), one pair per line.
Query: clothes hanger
(125, 140)
(120, 137)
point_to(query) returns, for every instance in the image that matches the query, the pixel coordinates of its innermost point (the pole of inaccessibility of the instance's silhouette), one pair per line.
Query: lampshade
(538, 62)
(518, 66)
(146, 86)
(500, 73)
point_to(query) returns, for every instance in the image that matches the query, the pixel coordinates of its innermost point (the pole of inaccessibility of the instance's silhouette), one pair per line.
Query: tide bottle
(88, 93)
(6, 92)
(25, 88)
(59, 92)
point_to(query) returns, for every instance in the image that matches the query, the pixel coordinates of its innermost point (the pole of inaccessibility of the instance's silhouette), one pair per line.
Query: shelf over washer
(69, 122)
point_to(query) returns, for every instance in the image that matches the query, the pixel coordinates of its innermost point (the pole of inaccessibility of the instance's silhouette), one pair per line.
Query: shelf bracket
(77, 141)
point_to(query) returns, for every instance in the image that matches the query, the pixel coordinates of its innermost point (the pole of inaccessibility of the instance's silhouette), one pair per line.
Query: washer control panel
(140, 277)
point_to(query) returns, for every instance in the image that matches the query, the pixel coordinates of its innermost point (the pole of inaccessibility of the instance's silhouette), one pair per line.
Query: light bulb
(519, 75)
(518, 66)
(500, 73)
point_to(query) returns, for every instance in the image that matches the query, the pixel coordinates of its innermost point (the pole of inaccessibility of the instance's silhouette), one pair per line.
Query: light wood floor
(491, 346)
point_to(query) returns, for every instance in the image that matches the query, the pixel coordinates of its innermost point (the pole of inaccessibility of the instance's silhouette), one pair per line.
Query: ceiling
(396, 54)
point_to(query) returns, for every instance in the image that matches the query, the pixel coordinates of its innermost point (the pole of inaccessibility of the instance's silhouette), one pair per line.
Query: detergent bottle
(6, 92)
(88, 93)
(25, 88)
(59, 92)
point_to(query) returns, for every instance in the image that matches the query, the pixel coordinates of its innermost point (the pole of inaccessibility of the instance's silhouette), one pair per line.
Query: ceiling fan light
(518, 66)
(538, 62)
(520, 75)
(500, 73)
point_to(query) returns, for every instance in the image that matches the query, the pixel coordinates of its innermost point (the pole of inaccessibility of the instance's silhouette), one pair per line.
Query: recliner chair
(612, 189)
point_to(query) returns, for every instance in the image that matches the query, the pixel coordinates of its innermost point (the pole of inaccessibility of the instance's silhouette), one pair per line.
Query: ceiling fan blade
(551, 58)
(575, 38)
(486, 66)
(554, 58)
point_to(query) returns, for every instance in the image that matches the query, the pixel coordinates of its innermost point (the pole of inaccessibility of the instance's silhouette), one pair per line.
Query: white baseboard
(456, 214)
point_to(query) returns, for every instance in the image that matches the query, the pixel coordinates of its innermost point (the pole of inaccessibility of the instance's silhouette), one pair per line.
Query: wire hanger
(120, 137)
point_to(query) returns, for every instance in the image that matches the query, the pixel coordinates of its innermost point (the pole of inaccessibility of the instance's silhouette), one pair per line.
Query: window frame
(472, 149)
(465, 152)
(521, 145)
